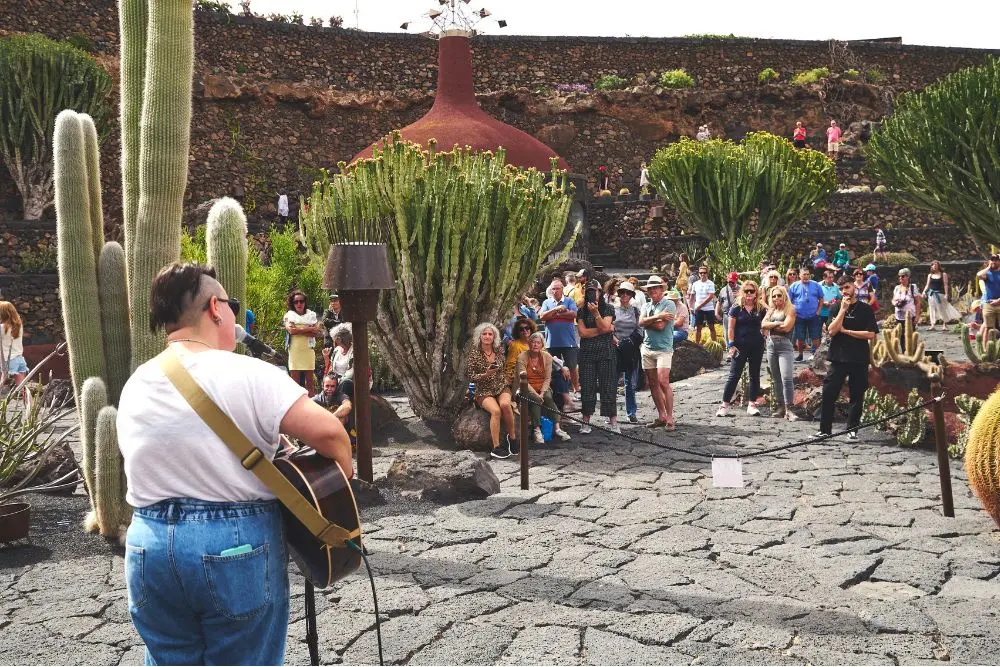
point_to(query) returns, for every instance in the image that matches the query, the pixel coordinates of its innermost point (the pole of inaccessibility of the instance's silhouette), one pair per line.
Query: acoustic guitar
(325, 486)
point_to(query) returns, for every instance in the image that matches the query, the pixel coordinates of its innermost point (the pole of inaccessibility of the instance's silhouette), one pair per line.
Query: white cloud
(964, 23)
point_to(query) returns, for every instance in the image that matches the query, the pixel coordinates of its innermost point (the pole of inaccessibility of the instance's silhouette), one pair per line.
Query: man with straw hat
(657, 318)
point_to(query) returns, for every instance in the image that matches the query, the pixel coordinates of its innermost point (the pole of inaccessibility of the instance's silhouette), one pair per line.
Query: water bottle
(472, 392)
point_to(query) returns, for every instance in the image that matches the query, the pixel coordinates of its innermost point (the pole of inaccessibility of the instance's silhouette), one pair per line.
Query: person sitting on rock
(485, 367)
(537, 363)
(520, 332)
(336, 400)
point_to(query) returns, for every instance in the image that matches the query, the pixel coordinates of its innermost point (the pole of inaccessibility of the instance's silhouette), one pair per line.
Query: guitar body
(323, 483)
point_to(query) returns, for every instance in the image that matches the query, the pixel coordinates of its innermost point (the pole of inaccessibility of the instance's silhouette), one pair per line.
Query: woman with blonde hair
(777, 325)
(537, 363)
(485, 367)
(12, 345)
(746, 345)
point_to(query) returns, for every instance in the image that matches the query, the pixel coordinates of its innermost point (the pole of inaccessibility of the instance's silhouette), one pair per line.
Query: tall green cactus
(133, 20)
(756, 189)
(980, 352)
(458, 224)
(77, 263)
(114, 318)
(93, 398)
(113, 513)
(164, 136)
(226, 240)
(91, 146)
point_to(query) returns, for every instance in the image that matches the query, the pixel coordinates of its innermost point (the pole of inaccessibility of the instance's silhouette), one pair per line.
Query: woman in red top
(799, 137)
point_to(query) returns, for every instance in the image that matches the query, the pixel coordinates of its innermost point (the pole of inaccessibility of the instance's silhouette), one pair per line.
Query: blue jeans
(192, 605)
(631, 379)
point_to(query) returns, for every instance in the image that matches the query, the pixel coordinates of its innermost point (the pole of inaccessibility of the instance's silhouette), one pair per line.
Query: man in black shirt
(332, 316)
(852, 326)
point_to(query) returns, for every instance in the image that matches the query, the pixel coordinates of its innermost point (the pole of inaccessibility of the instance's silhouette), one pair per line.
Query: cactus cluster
(902, 346)
(968, 407)
(982, 456)
(912, 428)
(979, 351)
(909, 430)
(104, 287)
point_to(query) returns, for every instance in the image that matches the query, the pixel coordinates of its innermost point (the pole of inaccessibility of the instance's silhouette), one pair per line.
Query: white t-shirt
(12, 347)
(306, 319)
(171, 453)
(283, 205)
(343, 363)
(701, 289)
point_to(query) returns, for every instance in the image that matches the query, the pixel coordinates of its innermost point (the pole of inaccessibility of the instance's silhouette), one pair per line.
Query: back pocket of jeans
(239, 584)
(135, 564)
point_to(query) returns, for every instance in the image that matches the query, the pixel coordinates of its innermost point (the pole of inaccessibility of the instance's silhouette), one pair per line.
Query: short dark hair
(845, 280)
(173, 289)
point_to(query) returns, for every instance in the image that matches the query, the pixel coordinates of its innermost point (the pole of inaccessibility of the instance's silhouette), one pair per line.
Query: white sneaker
(752, 410)
(723, 411)
(561, 434)
(585, 429)
(853, 435)
(615, 429)
(539, 438)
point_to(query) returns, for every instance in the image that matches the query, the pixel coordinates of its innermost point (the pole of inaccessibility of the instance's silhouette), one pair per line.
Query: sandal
(656, 423)
(672, 426)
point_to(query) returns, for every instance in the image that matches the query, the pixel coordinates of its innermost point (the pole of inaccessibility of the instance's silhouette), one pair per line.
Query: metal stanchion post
(525, 428)
(944, 465)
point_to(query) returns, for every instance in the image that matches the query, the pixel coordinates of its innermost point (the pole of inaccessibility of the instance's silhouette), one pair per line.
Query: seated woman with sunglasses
(206, 565)
(522, 330)
(302, 326)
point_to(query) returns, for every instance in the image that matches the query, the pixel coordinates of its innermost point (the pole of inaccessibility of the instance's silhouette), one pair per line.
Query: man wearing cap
(682, 318)
(701, 295)
(727, 299)
(991, 295)
(657, 352)
(842, 258)
(559, 315)
(852, 327)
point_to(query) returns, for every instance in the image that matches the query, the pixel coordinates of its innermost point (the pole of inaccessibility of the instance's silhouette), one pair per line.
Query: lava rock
(472, 430)
(442, 476)
(690, 360)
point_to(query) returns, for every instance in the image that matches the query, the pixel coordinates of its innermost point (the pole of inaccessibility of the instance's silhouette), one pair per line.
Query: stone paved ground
(621, 553)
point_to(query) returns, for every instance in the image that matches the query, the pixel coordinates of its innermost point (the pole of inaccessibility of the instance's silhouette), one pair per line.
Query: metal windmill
(451, 17)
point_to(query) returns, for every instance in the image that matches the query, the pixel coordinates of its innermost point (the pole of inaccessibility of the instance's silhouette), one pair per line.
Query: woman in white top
(12, 346)
(206, 564)
(342, 359)
(906, 299)
(302, 327)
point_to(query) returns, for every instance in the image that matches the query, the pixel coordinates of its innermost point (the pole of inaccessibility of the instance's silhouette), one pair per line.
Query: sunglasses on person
(749, 292)
(234, 305)
(298, 300)
(524, 328)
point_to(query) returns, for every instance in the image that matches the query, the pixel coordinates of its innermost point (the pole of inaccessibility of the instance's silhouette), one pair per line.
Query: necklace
(190, 340)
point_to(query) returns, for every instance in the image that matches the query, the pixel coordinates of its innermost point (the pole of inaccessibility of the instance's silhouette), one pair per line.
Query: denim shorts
(808, 329)
(17, 365)
(193, 605)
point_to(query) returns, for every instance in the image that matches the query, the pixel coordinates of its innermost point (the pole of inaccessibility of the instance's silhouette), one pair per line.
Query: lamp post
(358, 272)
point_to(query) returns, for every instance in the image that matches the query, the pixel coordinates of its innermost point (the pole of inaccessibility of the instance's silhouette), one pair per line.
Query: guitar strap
(252, 458)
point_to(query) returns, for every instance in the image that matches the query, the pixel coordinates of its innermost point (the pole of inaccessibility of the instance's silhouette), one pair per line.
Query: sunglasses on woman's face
(749, 293)
(524, 328)
(298, 300)
(234, 305)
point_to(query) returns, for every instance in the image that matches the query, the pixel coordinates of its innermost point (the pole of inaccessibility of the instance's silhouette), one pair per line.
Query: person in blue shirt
(559, 315)
(831, 295)
(991, 295)
(251, 323)
(807, 297)
(818, 255)
(657, 350)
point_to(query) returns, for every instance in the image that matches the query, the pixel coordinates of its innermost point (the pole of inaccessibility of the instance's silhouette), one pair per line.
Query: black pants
(599, 376)
(753, 356)
(856, 375)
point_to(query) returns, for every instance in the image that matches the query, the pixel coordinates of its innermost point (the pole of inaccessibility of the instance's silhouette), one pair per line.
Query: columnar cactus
(133, 20)
(982, 456)
(114, 318)
(979, 352)
(113, 513)
(903, 345)
(227, 249)
(93, 398)
(77, 263)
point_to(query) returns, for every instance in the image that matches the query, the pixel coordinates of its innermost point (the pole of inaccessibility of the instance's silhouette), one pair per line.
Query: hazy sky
(970, 23)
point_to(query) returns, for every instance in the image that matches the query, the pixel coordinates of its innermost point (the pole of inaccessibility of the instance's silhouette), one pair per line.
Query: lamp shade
(358, 266)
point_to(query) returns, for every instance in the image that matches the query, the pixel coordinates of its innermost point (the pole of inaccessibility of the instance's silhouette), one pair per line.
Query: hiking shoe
(791, 416)
(585, 429)
(779, 412)
(853, 435)
(798, 357)
(632, 419)
(752, 410)
(501, 452)
(723, 411)
(561, 434)
(820, 434)
(512, 446)
(539, 438)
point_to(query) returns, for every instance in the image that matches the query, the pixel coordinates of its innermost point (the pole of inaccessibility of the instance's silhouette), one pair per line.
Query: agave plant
(28, 434)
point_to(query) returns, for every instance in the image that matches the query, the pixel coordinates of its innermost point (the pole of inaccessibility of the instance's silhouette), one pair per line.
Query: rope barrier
(772, 450)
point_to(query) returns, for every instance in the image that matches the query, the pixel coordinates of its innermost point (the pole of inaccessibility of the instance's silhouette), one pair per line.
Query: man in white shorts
(833, 140)
(657, 351)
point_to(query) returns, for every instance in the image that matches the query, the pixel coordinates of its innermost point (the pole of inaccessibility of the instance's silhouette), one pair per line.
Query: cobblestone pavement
(623, 553)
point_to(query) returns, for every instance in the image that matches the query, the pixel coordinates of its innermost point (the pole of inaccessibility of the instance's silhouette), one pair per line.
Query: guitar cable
(371, 578)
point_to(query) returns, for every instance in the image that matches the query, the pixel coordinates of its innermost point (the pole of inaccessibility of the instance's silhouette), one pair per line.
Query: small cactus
(982, 456)
(113, 513)
(968, 407)
(93, 397)
(979, 352)
(114, 318)
(913, 426)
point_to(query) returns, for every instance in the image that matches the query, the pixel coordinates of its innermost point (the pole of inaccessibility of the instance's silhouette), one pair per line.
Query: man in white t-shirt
(701, 299)
(206, 564)
(283, 208)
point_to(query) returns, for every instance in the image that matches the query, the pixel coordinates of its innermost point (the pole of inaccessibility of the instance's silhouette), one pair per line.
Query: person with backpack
(727, 299)
(627, 339)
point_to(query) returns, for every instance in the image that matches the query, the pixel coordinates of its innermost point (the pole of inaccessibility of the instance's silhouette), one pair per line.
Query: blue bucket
(545, 424)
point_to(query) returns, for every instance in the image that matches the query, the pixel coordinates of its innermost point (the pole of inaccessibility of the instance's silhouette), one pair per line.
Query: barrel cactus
(104, 287)
(979, 351)
(982, 456)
